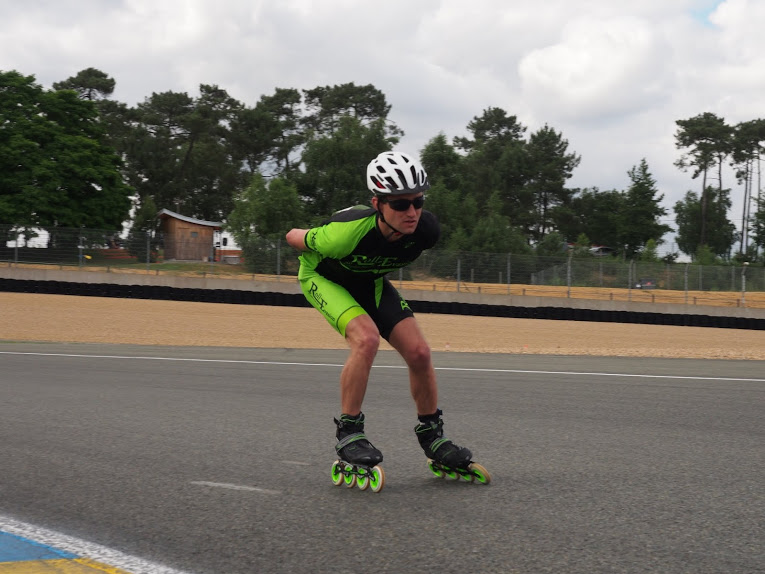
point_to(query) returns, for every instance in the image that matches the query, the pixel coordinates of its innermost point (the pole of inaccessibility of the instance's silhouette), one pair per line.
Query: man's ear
(375, 202)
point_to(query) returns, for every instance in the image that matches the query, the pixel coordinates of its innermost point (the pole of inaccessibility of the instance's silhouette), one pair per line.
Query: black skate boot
(352, 444)
(446, 459)
(430, 433)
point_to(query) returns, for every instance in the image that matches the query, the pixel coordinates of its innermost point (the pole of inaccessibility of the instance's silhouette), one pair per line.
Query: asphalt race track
(218, 461)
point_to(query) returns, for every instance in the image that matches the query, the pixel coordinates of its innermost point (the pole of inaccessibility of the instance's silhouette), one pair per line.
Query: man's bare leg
(408, 340)
(364, 339)
(352, 445)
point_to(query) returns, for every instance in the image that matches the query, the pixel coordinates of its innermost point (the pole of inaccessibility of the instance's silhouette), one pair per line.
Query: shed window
(194, 234)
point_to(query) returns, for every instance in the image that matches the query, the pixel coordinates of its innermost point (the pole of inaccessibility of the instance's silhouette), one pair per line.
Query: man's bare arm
(296, 238)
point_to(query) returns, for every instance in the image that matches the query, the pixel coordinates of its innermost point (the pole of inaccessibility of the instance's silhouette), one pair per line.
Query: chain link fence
(434, 270)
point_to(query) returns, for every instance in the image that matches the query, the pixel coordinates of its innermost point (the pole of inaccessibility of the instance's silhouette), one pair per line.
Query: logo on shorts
(405, 305)
(314, 292)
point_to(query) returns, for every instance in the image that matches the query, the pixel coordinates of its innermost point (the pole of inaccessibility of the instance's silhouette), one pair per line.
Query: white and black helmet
(395, 173)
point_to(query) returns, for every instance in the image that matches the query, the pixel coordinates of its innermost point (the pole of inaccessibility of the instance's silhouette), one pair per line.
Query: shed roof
(165, 213)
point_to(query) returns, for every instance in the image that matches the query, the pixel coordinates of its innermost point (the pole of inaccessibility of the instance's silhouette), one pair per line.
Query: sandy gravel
(62, 318)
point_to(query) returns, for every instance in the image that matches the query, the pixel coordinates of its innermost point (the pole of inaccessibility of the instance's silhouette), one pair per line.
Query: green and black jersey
(349, 247)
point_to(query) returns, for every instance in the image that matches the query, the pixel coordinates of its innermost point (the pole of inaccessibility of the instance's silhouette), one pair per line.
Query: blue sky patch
(703, 10)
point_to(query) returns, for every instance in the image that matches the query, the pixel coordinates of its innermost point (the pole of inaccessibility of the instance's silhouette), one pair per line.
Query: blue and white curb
(21, 542)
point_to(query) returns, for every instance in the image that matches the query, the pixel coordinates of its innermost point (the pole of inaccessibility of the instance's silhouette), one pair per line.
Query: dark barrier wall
(297, 300)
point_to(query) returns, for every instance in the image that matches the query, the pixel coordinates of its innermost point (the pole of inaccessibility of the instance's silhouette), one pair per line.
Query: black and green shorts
(339, 304)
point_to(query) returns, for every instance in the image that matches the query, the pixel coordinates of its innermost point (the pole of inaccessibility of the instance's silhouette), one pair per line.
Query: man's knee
(417, 356)
(363, 336)
(368, 342)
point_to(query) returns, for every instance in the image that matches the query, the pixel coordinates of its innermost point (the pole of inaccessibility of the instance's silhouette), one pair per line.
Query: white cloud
(611, 75)
(600, 68)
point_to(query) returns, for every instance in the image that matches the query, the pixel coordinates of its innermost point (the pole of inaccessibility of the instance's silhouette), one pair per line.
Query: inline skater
(343, 264)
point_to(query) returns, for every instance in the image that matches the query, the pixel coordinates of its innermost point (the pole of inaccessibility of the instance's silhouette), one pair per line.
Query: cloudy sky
(611, 75)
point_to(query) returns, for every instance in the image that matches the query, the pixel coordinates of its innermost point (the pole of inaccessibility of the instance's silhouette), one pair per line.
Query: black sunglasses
(403, 204)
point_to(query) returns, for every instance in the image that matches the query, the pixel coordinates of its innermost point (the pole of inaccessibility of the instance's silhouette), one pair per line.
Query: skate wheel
(349, 478)
(466, 476)
(437, 472)
(337, 473)
(452, 475)
(480, 473)
(362, 480)
(377, 479)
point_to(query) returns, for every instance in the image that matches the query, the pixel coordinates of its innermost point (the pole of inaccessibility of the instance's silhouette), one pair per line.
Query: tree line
(71, 156)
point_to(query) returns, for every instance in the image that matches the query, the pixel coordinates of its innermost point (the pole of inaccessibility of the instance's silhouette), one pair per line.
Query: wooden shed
(186, 238)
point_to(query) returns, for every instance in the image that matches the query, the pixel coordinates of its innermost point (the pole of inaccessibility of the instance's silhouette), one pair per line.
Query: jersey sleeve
(337, 239)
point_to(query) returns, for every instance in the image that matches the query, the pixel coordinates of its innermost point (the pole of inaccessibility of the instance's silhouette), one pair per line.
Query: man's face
(403, 221)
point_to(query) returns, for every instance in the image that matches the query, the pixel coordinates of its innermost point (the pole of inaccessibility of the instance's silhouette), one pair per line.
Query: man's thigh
(391, 310)
(407, 335)
(333, 301)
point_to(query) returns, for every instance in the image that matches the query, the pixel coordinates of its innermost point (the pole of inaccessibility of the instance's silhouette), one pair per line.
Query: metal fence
(589, 278)
(460, 270)
(67, 246)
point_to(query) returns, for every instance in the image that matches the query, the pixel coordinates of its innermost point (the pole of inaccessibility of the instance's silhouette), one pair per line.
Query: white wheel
(437, 472)
(349, 479)
(480, 473)
(377, 479)
(363, 480)
(337, 473)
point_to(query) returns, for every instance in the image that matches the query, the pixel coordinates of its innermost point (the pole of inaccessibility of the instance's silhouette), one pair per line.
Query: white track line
(234, 487)
(83, 548)
(337, 365)
(180, 359)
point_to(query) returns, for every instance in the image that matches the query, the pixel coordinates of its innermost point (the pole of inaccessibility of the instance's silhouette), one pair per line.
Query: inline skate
(359, 462)
(446, 459)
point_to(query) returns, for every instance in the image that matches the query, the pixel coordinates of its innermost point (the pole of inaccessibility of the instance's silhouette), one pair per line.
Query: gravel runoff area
(63, 318)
